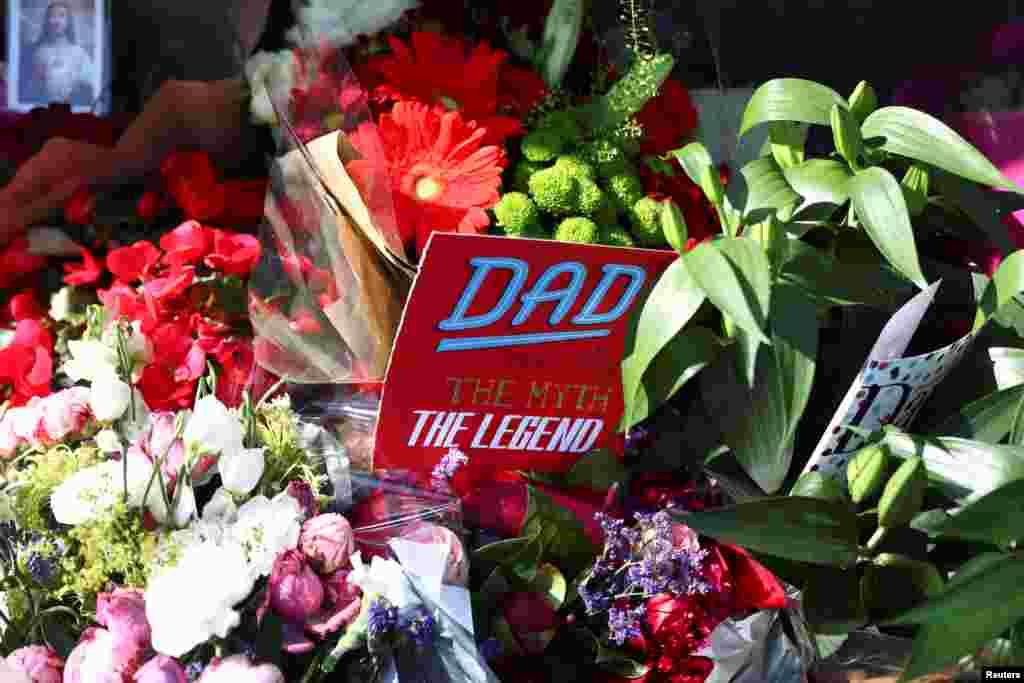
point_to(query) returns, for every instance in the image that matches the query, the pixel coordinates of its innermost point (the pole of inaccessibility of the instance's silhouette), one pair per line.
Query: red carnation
(27, 362)
(85, 273)
(668, 119)
(134, 262)
(25, 306)
(187, 244)
(233, 253)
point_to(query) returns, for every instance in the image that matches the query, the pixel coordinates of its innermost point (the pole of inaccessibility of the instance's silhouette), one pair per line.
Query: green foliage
(543, 144)
(615, 236)
(630, 93)
(577, 166)
(555, 191)
(36, 482)
(285, 459)
(521, 175)
(626, 189)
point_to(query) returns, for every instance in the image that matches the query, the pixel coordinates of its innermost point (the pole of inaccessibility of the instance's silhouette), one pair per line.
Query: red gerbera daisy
(442, 177)
(443, 71)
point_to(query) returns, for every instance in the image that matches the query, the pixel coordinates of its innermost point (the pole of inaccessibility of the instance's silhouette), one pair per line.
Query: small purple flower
(40, 568)
(624, 624)
(383, 618)
(637, 439)
(420, 627)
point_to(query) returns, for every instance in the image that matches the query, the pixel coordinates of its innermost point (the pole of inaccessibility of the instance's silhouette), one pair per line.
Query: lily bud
(673, 225)
(903, 494)
(863, 101)
(846, 134)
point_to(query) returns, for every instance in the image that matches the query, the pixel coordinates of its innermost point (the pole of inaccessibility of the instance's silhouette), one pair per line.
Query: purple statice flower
(383, 618)
(420, 627)
(446, 469)
(624, 624)
(637, 439)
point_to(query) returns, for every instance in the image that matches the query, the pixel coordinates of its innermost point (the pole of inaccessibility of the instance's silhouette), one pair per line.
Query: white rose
(89, 493)
(265, 528)
(184, 507)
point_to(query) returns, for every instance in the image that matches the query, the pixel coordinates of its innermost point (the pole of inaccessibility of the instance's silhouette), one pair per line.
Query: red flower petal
(234, 253)
(25, 306)
(80, 208)
(133, 262)
(755, 586)
(186, 244)
(16, 262)
(86, 273)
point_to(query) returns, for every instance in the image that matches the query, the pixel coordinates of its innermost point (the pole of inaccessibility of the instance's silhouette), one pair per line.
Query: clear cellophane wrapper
(327, 295)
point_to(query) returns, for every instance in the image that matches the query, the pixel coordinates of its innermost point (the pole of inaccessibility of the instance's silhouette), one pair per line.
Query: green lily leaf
(996, 518)
(982, 605)
(735, 274)
(964, 469)
(502, 551)
(561, 35)
(678, 362)
(988, 419)
(619, 663)
(916, 135)
(786, 140)
(845, 282)
(878, 201)
(559, 531)
(802, 529)
(976, 202)
(673, 301)
(790, 99)
(758, 421)
(1007, 283)
(768, 191)
(820, 181)
(694, 158)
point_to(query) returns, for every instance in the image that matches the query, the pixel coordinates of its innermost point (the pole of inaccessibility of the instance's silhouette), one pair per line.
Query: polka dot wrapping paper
(889, 389)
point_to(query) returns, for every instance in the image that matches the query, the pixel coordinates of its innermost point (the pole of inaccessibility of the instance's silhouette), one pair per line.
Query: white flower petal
(108, 441)
(109, 397)
(241, 472)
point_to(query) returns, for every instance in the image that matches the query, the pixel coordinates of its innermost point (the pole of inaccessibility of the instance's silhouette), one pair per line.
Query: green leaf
(829, 645)
(786, 140)
(503, 551)
(916, 135)
(964, 469)
(1007, 283)
(789, 99)
(678, 362)
(768, 191)
(759, 421)
(820, 181)
(559, 531)
(832, 601)
(846, 135)
(802, 529)
(694, 158)
(523, 565)
(735, 274)
(561, 35)
(596, 471)
(552, 584)
(673, 301)
(619, 662)
(846, 282)
(629, 94)
(996, 518)
(988, 419)
(978, 204)
(878, 201)
(966, 615)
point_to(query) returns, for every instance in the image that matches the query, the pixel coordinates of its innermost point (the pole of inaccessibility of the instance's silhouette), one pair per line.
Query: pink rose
(295, 591)
(239, 669)
(100, 657)
(161, 669)
(123, 612)
(40, 663)
(456, 571)
(327, 542)
(341, 607)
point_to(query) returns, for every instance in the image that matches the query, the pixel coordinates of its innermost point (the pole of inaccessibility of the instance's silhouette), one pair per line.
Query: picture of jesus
(56, 42)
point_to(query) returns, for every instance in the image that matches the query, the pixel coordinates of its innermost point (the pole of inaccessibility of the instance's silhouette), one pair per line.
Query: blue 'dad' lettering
(566, 297)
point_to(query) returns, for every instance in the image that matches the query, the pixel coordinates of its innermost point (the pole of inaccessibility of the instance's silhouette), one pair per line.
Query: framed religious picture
(58, 51)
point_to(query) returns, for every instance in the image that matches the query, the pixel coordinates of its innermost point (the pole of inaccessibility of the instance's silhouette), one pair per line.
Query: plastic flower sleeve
(327, 296)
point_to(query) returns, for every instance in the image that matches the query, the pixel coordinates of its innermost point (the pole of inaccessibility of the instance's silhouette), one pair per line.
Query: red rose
(133, 262)
(162, 392)
(701, 218)
(233, 253)
(80, 208)
(677, 627)
(85, 273)
(531, 620)
(754, 586)
(668, 119)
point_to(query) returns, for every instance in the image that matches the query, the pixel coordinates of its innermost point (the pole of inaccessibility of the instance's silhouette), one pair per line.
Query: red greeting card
(509, 350)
